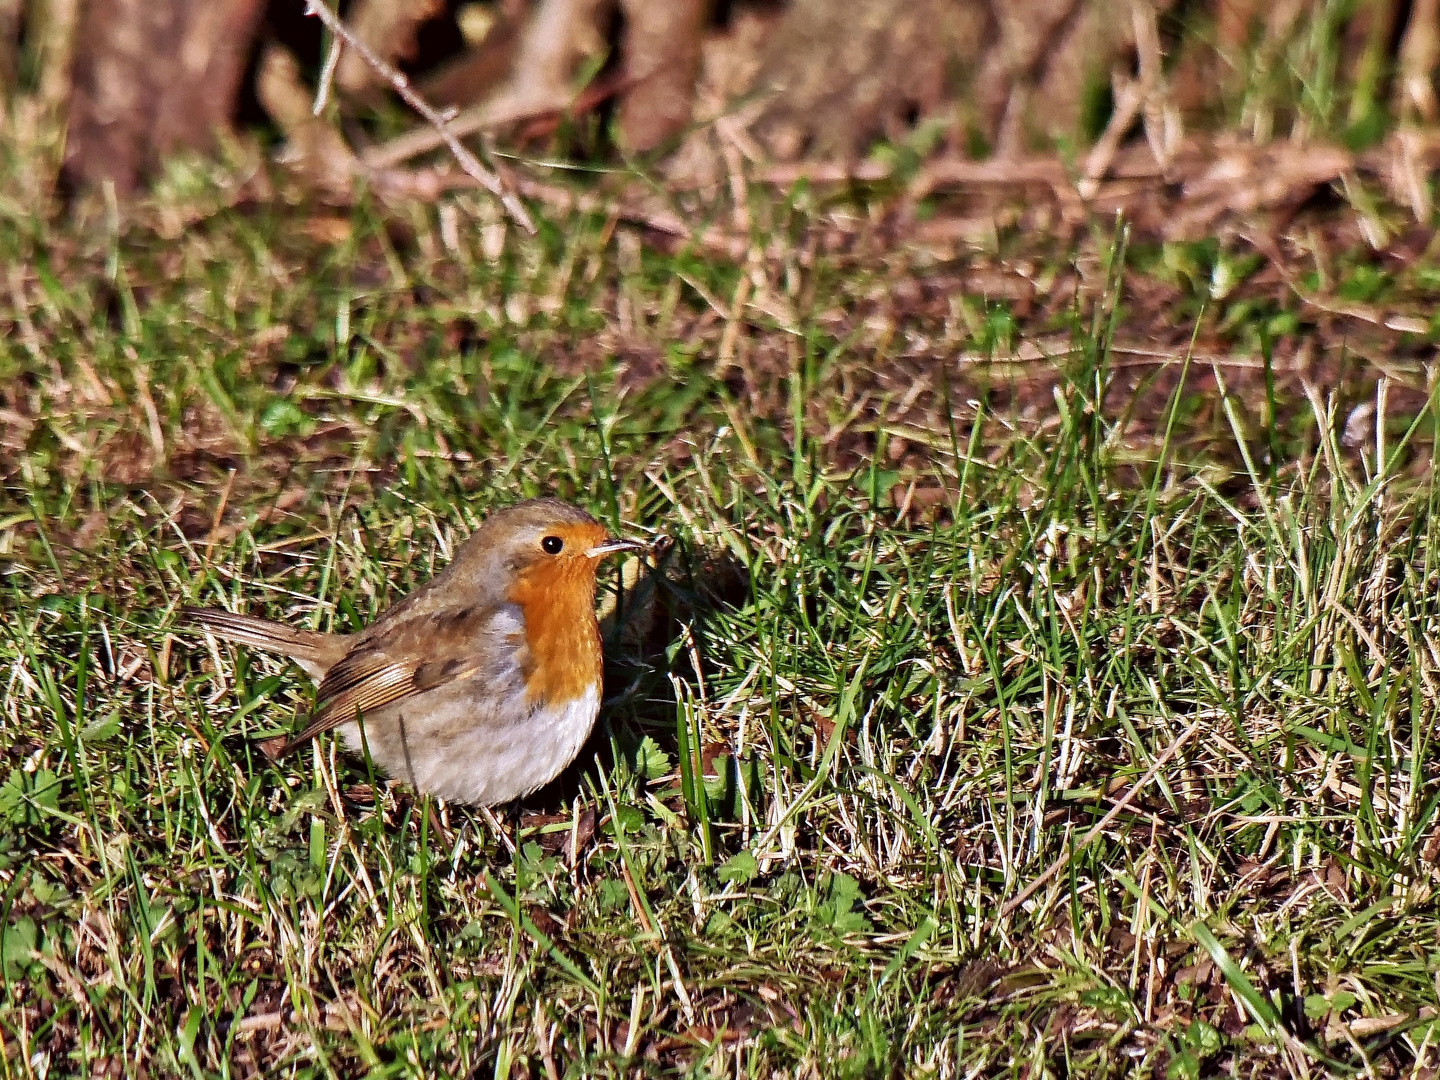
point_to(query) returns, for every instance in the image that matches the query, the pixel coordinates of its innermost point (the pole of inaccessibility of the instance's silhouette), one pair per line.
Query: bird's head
(538, 546)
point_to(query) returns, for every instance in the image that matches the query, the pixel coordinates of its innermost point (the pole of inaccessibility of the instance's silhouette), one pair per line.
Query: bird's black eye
(553, 545)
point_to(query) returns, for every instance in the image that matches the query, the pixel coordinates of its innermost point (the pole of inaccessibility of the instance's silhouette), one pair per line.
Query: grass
(922, 627)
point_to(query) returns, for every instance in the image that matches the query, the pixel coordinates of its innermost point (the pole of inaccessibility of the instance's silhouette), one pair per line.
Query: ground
(970, 549)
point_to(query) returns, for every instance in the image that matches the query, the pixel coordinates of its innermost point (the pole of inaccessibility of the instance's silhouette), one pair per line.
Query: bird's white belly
(480, 760)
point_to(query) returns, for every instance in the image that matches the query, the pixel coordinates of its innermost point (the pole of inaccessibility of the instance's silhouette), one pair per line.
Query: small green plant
(1194, 1045)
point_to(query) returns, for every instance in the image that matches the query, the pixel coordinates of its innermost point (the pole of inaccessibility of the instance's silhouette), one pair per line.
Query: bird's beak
(611, 546)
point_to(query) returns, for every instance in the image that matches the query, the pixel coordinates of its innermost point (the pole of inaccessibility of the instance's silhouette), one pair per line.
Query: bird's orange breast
(557, 600)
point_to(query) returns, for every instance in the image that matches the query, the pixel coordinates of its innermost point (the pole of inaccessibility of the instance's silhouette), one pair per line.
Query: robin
(482, 684)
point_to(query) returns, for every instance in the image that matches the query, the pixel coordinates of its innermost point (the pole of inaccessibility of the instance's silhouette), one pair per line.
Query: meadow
(1038, 679)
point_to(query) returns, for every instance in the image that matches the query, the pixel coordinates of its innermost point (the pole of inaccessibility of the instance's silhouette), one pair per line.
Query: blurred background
(107, 92)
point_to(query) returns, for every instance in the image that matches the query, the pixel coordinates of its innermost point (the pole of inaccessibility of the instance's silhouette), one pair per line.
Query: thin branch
(327, 75)
(1115, 811)
(467, 161)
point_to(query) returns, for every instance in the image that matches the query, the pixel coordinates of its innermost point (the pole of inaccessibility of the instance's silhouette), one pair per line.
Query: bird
(482, 684)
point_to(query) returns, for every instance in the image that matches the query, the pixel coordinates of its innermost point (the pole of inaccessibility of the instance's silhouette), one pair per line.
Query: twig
(1129, 97)
(327, 75)
(467, 122)
(508, 109)
(1418, 51)
(1400, 322)
(635, 902)
(1163, 127)
(467, 161)
(1115, 811)
(498, 829)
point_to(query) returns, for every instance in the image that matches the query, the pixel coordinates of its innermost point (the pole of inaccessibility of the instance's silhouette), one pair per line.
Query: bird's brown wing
(412, 657)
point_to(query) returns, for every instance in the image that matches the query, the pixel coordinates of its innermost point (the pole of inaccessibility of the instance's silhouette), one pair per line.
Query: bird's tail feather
(312, 650)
